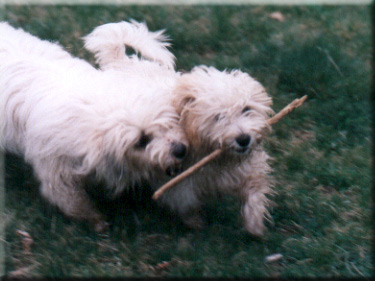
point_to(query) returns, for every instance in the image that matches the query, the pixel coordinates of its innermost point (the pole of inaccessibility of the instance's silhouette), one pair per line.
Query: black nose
(243, 140)
(179, 150)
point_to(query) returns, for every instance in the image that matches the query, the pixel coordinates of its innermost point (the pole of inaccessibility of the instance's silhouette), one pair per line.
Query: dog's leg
(192, 218)
(183, 200)
(60, 188)
(255, 206)
(254, 194)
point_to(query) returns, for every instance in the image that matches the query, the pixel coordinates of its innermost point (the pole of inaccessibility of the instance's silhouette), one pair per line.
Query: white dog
(227, 110)
(70, 121)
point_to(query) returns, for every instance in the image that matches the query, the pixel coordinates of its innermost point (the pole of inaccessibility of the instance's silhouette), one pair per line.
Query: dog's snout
(179, 150)
(243, 140)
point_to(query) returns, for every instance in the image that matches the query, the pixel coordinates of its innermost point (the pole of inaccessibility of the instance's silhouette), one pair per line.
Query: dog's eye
(143, 141)
(218, 117)
(246, 109)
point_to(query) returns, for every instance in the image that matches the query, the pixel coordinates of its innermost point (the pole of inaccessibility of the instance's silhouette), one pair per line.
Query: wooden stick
(286, 110)
(276, 118)
(187, 173)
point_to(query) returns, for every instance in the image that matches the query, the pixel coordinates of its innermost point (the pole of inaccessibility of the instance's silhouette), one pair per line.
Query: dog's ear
(183, 96)
(181, 103)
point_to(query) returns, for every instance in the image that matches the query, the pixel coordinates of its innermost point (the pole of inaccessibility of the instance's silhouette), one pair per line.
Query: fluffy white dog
(227, 110)
(70, 121)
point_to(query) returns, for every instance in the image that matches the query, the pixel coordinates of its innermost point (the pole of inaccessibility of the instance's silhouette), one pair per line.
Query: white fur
(70, 120)
(210, 103)
(108, 42)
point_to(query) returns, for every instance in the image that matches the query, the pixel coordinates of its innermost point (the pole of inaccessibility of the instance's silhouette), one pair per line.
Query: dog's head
(160, 142)
(226, 110)
(142, 138)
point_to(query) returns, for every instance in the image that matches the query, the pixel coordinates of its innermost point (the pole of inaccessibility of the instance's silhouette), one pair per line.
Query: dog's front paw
(194, 220)
(256, 230)
(101, 227)
(254, 224)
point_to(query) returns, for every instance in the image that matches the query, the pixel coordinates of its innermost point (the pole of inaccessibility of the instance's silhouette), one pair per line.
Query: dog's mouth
(173, 170)
(241, 150)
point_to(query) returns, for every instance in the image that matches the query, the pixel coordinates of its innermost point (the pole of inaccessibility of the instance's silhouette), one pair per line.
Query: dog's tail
(108, 43)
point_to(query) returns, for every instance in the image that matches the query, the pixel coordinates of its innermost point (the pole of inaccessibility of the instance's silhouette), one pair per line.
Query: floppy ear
(184, 95)
(182, 103)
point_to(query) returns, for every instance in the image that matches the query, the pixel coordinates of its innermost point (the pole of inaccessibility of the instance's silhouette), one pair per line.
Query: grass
(322, 222)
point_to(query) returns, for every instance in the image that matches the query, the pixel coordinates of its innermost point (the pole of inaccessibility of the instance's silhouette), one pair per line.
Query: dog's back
(20, 43)
(29, 69)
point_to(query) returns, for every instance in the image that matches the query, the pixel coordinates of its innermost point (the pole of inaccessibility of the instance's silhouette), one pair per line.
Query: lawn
(322, 216)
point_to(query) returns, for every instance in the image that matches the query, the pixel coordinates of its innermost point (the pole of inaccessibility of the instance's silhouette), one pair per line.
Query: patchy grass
(322, 214)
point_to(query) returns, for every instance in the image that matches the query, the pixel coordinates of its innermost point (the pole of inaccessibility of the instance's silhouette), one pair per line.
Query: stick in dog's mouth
(276, 118)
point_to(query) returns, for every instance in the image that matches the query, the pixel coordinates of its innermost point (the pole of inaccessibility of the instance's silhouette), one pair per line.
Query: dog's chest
(223, 173)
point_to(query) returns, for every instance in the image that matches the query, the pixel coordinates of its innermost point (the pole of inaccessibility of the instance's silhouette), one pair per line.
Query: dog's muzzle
(178, 151)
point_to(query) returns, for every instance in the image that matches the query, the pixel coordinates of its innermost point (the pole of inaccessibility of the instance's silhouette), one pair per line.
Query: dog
(226, 110)
(73, 122)
(218, 109)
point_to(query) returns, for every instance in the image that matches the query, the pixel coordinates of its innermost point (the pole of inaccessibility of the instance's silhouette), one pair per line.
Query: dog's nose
(243, 140)
(179, 150)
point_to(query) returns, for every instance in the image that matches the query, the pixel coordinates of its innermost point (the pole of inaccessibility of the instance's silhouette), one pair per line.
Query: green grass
(322, 221)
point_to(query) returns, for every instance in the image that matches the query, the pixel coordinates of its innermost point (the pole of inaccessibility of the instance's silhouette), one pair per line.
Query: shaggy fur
(227, 110)
(109, 41)
(70, 121)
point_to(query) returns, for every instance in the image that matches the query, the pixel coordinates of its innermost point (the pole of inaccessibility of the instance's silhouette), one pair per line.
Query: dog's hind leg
(65, 191)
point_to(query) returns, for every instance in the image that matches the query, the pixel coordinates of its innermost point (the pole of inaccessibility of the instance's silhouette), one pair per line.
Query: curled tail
(108, 43)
